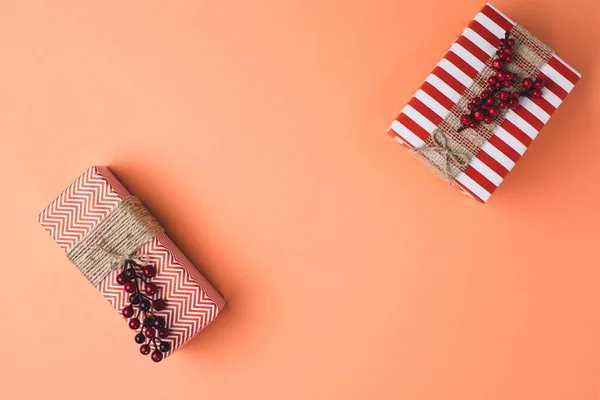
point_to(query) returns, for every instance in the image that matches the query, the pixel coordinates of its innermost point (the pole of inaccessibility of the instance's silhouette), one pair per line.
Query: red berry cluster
(153, 327)
(498, 96)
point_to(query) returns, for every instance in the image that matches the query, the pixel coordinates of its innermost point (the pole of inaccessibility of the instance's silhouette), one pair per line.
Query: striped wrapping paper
(451, 77)
(192, 303)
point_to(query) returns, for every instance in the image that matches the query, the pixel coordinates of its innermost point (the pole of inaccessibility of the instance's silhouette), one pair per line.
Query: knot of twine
(440, 146)
(114, 240)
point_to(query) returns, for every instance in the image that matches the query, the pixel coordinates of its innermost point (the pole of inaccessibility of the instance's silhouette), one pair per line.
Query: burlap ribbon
(114, 239)
(451, 158)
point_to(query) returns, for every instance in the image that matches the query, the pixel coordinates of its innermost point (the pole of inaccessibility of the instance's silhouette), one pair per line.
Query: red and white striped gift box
(191, 302)
(450, 78)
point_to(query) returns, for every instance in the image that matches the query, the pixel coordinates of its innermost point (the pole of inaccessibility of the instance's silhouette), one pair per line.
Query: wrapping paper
(450, 78)
(192, 303)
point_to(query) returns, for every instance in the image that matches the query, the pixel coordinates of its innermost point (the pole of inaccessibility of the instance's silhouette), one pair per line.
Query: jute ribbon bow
(117, 238)
(461, 159)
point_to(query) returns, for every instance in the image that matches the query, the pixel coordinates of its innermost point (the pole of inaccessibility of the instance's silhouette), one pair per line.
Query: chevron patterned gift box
(83, 212)
(476, 155)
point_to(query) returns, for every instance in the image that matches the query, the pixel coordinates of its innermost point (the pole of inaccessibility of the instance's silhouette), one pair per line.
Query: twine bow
(440, 140)
(116, 259)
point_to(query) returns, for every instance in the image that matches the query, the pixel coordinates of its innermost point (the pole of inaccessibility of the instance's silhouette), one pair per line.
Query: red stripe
(544, 105)
(553, 86)
(492, 163)
(425, 111)
(516, 132)
(480, 179)
(461, 64)
(449, 79)
(437, 95)
(529, 117)
(563, 70)
(497, 18)
(413, 126)
(473, 49)
(484, 33)
(504, 148)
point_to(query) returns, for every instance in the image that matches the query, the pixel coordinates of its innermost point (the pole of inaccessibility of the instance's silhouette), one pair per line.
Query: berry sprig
(152, 327)
(498, 95)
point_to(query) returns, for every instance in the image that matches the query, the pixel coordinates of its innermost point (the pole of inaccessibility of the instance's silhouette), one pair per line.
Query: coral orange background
(255, 131)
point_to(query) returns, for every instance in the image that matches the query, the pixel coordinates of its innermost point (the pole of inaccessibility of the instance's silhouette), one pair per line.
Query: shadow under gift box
(191, 302)
(451, 77)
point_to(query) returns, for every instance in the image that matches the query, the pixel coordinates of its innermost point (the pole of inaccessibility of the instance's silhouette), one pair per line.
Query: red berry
(493, 111)
(488, 119)
(159, 304)
(502, 104)
(513, 103)
(511, 43)
(127, 312)
(145, 349)
(476, 100)
(498, 85)
(527, 83)
(156, 356)
(471, 105)
(485, 106)
(502, 43)
(478, 115)
(490, 101)
(164, 332)
(507, 51)
(149, 271)
(497, 64)
(536, 93)
(503, 95)
(485, 94)
(516, 95)
(500, 75)
(465, 120)
(539, 83)
(473, 126)
(509, 59)
(149, 332)
(492, 80)
(491, 88)
(134, 323)
(507, 83)
(502, 56)
(121, 279)
(150, 289)
(129, 287)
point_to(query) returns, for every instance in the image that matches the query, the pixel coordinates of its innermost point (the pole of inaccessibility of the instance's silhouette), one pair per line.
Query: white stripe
(443, 87)
(498, 11)
(479, 41)
(431, 103)
(455, 72)
(416, 116)
(510, 140)
(557, 77)
(521, 124)
(490, 25)
(467, 56)
(473, 186)
(551, 97)
(566, 65)
(535, 109)
(463, 190)
(486, 171)
(406, 134)
(498, 155)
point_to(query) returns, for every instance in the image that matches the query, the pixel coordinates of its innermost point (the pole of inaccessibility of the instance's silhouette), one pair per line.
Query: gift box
(484, 103)
(123, 251)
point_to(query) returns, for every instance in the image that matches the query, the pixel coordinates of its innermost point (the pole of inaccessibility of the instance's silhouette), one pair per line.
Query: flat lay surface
(255, 132)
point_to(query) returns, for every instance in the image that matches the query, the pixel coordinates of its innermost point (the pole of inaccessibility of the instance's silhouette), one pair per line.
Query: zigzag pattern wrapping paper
(192, 303)
(450, 78)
